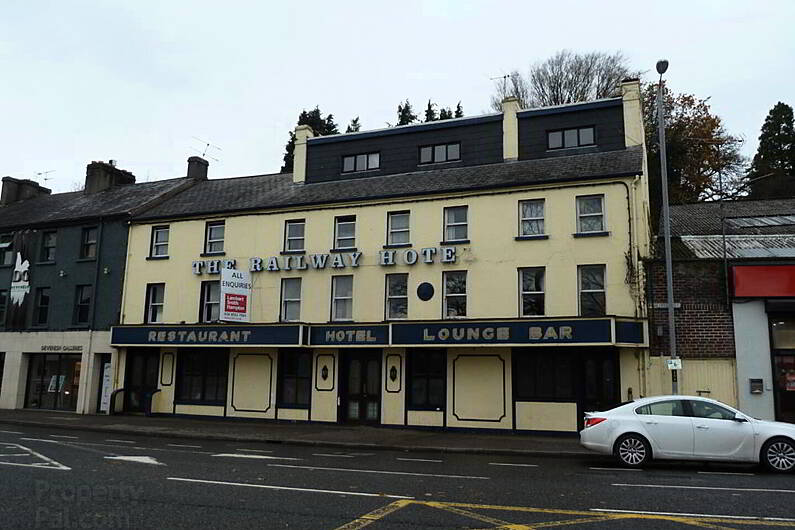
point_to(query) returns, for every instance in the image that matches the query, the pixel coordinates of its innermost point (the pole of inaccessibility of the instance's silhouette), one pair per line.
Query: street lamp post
(662, 66)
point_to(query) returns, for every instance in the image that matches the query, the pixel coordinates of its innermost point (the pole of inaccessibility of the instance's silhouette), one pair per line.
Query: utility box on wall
(756, 386)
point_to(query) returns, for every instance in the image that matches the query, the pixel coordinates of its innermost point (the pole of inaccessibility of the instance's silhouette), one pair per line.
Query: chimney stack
(15, 190)
(302, 134)
(510, 129)
(102, 176)
(197, 168)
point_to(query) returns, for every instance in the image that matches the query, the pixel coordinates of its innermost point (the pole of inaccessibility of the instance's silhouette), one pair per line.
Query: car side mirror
(740, 419)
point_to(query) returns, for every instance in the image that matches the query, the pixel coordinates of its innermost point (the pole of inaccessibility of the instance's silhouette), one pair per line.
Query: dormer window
(435, 154)
(361, 162)
(568, 138)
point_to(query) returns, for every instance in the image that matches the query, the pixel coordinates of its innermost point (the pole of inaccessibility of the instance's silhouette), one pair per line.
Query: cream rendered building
(480, 272)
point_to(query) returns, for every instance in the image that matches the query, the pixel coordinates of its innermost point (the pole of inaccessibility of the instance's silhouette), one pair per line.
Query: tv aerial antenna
(43, 174)
(207, 147)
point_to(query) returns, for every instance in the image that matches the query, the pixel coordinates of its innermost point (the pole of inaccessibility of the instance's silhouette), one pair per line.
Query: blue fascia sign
(262, 335)
(596, 331)
(349, 335)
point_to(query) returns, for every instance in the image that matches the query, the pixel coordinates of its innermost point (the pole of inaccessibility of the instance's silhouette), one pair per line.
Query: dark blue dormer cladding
(607, 117)
(480, 139)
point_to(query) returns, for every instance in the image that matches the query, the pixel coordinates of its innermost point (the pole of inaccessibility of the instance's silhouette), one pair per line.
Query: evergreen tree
(405, 113)
(774, 162)
(445, 113)
(430, 112)
(320, 127)
(354, 125)
(459, 111)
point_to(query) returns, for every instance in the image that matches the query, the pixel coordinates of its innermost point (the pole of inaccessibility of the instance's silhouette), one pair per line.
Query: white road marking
(511, 465)
(331, 455)
(614, 469)
(181, 445)
(261, 457)
(137, 459)
(672, 486)
(739, 517)
(418, 460)
(11, 432)
(119, 441)
(3, 455)
(285, 488)
(254, 450)
(63, 436)
(378, 472)
(47, 463)
(725, 473)
(40, 440)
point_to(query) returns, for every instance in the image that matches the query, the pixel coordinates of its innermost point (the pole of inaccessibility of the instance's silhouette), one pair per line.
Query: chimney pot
(15, 190)
(101, 176)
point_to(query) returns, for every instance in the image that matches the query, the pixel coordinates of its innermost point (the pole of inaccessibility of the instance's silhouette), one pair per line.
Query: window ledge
(83, 260)
(341, 321)
(445, 163)
(456, 242)
(156, 257)
(208, 254)
(426, 409)
(289, 406)
(292, 252)
(530, 238)
(398, 245)
(559, 149)
(340, 250)
(40, 263)
(361, 171)
(603, 233)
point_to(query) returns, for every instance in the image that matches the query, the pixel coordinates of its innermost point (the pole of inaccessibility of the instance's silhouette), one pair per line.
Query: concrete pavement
(307, 434)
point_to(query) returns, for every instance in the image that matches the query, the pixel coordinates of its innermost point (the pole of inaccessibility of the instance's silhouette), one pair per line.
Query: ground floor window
(202, 376)
(427, 379)
(586, 376)
(295, 379)
(53, 381)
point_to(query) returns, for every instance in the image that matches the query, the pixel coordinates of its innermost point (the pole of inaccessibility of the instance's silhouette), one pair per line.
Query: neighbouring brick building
(734, 299)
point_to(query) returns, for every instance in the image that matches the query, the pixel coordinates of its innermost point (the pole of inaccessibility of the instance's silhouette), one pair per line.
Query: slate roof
(76, 205)
(704, 218)
(219, 196)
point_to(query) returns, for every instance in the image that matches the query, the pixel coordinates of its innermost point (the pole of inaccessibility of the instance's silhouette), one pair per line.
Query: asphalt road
(53, 478)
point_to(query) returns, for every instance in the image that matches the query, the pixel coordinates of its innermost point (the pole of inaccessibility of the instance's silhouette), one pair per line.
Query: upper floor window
(592, 290)
(455, 223)
(398, 228)
(41, 311)
(342, 298)
(210, 307)
(214, 237)
(291, 299)
(434, 154)
(83, 294)
(6, 249)
(531, 282)
(531, 217)
(294, 235)
(590, 213)
(48, 239)
(88, 243)
(155, 298)
(345, 232)
(455, 294)
(3, 304)
(567, 138)
(361, 162)
(159, 246)
(397, 299)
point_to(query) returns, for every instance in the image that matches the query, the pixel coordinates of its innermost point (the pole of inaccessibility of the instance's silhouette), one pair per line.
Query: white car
(688, 428)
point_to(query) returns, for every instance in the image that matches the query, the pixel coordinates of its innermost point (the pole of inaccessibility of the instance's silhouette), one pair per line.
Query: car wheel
(632, 450)
(778, 455)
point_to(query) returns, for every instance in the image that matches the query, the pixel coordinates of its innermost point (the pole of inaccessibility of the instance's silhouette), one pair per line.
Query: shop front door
(784, 375)
(142, 371)
(53, 381)
(361, 390)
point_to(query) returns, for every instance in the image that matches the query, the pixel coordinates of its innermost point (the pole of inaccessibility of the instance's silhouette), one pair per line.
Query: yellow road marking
(464, 509)
(375, 515)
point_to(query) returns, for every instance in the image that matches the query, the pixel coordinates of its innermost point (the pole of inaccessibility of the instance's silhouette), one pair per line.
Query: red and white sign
(235, 295)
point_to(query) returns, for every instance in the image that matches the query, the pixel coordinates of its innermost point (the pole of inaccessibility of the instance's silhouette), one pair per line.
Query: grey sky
(135, 81)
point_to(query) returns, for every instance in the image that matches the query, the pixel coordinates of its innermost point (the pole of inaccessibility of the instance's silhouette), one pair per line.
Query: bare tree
(566, 77)
(511, 85)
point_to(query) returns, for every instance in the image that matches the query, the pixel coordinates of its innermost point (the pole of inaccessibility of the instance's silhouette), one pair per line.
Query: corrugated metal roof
(739, 246)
